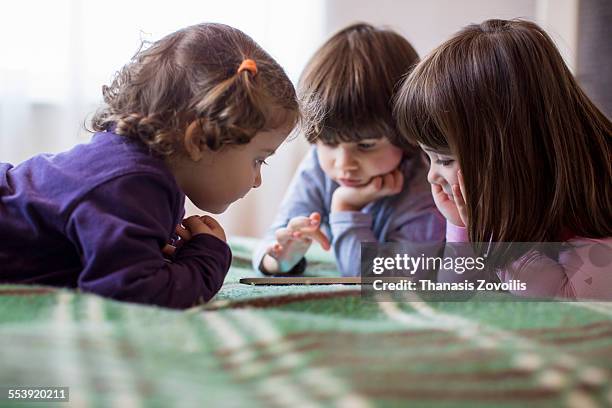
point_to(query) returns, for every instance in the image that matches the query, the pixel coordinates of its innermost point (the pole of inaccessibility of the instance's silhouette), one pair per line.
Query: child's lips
(349, 182)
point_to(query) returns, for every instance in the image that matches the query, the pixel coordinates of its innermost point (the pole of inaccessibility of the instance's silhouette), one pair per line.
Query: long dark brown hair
(535, 152)
(348, 85)
(192, 75)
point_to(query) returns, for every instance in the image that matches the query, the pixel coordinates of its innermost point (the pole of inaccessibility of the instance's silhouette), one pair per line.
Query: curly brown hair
(192, 75)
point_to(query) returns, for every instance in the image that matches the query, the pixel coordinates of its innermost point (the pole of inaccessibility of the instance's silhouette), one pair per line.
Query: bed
(305, 346)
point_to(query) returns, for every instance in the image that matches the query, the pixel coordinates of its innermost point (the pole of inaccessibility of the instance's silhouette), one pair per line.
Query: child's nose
(345, 160)
(433, 177)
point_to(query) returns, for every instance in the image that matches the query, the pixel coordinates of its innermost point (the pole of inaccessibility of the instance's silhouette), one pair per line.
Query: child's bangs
(421, 112)
(353, 132)
(428, 133)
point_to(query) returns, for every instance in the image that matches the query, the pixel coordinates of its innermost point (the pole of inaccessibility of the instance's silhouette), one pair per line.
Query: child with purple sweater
(195, 114)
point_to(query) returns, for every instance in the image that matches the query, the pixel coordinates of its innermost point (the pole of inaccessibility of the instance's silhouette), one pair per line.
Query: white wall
(428, 23)
(424, 23)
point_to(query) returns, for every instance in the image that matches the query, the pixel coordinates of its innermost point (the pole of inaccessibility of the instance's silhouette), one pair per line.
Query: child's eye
(259, 162)
(444, 162)
(366, 146)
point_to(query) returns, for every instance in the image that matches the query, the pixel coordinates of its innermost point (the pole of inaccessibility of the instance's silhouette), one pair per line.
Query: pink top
(585, 272)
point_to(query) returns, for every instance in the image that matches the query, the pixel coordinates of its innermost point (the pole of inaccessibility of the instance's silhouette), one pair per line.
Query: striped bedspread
(305, 346)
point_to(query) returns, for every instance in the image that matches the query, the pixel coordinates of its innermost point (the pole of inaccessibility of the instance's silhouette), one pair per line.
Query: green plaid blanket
(305, 346)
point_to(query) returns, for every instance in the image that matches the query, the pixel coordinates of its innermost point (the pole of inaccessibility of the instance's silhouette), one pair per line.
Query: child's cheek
(387, 161)
(327, 165)
(450, 175)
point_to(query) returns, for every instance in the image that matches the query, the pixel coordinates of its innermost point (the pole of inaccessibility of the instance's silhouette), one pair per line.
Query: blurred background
(57, 55)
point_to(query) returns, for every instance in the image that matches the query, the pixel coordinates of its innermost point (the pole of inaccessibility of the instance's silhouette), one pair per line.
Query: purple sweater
(96, 217)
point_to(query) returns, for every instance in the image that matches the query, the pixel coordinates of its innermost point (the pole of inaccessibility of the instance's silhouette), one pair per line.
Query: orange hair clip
(249, 65)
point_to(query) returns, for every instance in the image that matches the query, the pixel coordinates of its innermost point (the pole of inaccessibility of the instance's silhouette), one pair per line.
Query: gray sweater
(410, 215)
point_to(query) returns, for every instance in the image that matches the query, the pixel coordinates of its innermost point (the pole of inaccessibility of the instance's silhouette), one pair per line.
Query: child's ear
(194, 145)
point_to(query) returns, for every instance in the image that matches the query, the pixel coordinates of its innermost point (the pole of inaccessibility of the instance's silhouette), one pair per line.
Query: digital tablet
(302, 280)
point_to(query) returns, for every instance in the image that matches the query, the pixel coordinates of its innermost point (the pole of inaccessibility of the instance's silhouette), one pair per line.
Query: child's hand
(184, 235)
(355, 198)
(455, 209)
(205, 224)
(293, 241)
(300, 232)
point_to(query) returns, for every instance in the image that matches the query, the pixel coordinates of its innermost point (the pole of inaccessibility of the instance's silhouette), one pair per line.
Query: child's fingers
(168, 250)
(313, 235)
(210, 221)
(460, 202)
(321, 238)
(438, 193)
(182, 232)
(192, 223)
(399, 181)
(388, 181)
(396, 181)
(283, 235)
(304, 229)
(375, 184)
(214, 227)
(315, 219)
(301, 235)
(313, 224)
(461, 184)
(462, 206)
(439, 196)
(274, 249)
(297, 223)
(392, 182)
